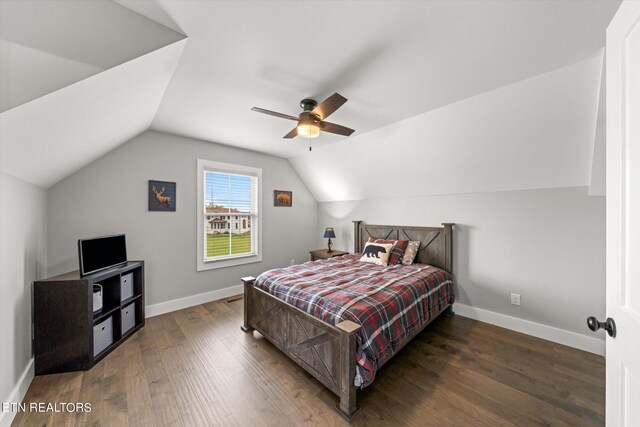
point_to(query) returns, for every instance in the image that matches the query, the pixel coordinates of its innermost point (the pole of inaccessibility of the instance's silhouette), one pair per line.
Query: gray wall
(547, 245)
(110, 196)
(22, 260)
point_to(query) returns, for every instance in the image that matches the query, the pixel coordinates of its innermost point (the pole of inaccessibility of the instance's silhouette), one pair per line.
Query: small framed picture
(282, 198)
(162, 196)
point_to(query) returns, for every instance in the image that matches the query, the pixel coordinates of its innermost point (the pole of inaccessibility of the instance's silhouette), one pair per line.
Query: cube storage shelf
(68, 334)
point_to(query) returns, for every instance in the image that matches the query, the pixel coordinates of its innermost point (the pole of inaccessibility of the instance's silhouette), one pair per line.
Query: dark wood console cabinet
(66, 328)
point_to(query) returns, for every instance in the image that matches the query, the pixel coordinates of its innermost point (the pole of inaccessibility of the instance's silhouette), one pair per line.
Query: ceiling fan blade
(292, 134)
(334, 128)
(273, 113)
(329, 106)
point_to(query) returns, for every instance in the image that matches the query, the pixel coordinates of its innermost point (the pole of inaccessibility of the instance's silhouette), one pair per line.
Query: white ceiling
(152, 10)
(27, 73)
(598, 182)
(47, 139)
(46, 45)
(490, 142)
(393, 60)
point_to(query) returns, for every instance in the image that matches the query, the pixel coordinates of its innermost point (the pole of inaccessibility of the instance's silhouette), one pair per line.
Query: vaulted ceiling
(80, 78)
(536, 133)
(48, 45)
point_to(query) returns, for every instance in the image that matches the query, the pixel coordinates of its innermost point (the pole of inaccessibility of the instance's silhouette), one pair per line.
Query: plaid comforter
(390, 303)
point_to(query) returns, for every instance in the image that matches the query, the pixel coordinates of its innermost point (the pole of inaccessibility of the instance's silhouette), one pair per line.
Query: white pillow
(376, 253)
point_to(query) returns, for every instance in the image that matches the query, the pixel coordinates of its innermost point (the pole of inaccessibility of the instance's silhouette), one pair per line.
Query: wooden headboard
(436, 243)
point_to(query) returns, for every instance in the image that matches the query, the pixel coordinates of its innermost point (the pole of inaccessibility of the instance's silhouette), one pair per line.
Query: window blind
(231, 211)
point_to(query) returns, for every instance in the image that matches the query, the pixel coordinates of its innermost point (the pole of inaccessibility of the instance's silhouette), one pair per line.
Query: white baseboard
(17, 394)
(180, 303)
(539, 330)
(549, 333)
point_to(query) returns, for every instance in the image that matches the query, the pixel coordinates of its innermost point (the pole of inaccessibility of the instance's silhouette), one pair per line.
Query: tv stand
(68, 334)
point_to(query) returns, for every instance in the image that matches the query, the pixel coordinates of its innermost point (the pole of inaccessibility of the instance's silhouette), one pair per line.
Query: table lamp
(329, 233)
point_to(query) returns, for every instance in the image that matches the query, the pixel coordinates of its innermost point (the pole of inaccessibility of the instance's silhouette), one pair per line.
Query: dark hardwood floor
(195, 367)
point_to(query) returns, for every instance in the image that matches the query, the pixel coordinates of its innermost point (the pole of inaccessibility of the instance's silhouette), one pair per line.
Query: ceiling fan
(311, 120)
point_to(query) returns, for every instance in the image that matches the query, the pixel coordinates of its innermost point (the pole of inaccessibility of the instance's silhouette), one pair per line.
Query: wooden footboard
(325, 351)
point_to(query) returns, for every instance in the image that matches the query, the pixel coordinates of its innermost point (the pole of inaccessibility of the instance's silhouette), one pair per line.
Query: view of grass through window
(228, 214)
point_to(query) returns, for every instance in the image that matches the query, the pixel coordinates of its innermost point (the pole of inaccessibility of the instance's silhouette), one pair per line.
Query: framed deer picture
(282, 198)
(162, 196)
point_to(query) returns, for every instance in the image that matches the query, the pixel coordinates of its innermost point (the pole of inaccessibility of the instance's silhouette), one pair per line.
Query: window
(228, 215)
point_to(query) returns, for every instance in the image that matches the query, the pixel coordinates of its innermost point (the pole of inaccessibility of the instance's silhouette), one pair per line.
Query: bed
(341, 319)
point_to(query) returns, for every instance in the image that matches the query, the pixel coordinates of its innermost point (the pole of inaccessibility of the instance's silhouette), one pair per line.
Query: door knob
(609, 325)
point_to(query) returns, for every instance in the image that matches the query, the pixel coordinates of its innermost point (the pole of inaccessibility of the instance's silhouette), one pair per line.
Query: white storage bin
(128, 317)
(102, 335)
(97, 298)
(126, 286)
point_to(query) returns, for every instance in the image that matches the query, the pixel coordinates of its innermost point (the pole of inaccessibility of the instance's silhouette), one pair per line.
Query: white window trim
(231, 260)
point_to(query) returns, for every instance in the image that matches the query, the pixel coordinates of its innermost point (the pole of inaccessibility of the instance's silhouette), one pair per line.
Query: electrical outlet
(293, 261)
(515, 299)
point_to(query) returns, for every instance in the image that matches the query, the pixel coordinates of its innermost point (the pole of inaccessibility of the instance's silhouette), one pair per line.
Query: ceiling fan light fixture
(311, 121)
(308, 129)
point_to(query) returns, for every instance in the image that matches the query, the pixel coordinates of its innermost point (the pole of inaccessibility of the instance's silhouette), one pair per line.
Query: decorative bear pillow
(376, 253)
(396, 252)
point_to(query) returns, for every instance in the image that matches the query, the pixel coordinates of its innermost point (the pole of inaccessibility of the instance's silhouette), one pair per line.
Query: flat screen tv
(101, 253)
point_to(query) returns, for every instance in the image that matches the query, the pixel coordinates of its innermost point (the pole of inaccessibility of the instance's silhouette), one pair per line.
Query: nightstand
(325, 254)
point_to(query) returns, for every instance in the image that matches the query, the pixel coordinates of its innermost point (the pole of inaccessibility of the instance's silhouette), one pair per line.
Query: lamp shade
(329, 233)
(308, 129)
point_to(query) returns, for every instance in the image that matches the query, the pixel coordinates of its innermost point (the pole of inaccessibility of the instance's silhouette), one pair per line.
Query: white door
(623, 215)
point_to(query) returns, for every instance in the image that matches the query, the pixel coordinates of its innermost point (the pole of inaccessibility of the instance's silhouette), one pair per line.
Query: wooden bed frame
(326, 351)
